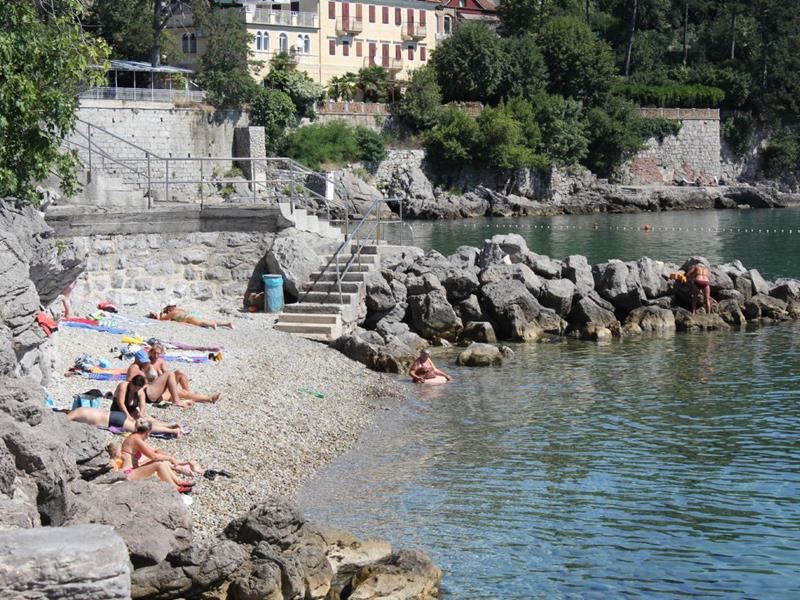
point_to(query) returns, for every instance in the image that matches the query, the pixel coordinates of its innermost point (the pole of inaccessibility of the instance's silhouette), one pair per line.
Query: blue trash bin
(273, 293)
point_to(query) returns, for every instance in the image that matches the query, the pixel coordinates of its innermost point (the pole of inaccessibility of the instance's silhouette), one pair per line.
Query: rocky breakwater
(71, 527)
(505, 291)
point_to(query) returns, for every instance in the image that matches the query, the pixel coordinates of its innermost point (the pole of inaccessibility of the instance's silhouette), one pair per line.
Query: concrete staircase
(312, 223)
(322, 313)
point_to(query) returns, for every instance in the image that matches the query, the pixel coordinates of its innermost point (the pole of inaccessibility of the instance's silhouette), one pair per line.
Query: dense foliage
(275, 112)
(284, 77)
(420, 105)
(332, 145)
(45, 60)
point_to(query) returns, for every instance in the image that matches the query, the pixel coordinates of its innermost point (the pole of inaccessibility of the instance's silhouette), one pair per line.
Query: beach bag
(47, 323)
(90, 399)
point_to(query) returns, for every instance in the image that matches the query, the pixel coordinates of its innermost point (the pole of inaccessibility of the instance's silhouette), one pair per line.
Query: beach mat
(102, 328)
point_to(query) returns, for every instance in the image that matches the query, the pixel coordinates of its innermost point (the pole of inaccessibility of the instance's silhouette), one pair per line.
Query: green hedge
(332, 145)
(656, 127)
(672, 96)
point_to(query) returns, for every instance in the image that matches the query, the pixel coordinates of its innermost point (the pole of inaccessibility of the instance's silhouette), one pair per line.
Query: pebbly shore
(268, 434)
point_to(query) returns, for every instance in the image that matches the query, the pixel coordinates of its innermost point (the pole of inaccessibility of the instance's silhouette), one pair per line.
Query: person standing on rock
(699, 278)
(424, 371)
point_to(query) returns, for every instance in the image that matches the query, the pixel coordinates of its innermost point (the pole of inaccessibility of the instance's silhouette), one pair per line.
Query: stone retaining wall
(372, 115)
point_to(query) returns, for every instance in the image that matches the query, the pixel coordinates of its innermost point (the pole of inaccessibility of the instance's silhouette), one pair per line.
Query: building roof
(139, 66)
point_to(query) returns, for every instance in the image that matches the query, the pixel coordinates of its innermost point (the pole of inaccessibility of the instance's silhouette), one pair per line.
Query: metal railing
(414, 31)
(142, 94)
(369, 230)
(391, 64)
(346, 25)
(266, 16)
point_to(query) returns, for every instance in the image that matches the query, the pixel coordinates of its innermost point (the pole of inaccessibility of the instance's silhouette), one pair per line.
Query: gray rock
(423, 284)
(576, 268)
(615, 283)
(761, 306)
(464, 257)
(460, 284)
(494, 273)
(512, 244)
(592, 309)
(686, 321)
(512, 310)
(433, 317)
(431, 262)
(492, 254)
(652, 318)
(734, 295)
(478, 331)
(480, 355)
(786, 289)
(557, 294)
(469, 309)
(296, 255)
(89, 561)
(358, 195)
(720, 281)
(379, 296)
(404, 575)
(760, 286)
(543, 265)
(388, 329)
(731, 312)
(649, 274)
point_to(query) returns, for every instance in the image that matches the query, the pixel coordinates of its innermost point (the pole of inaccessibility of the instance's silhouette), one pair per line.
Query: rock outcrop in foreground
(505, 291)
(72, 528)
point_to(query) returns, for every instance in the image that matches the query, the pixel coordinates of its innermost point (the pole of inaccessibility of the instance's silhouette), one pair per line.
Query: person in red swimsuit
(699, 278)
(424, 371)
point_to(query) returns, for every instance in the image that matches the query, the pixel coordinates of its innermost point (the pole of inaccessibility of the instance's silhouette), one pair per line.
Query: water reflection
(662, 467)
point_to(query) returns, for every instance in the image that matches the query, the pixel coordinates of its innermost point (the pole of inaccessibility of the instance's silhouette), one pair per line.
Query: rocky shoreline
(242, 538)
(503, 291)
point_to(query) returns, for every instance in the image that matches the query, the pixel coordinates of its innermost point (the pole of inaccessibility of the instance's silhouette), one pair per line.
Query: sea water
(656, 467)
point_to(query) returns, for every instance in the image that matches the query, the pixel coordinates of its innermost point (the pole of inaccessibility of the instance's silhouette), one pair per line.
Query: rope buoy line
(643, 228)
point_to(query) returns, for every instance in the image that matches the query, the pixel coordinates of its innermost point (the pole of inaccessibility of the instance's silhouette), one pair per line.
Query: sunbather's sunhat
(168, 302)
(141, 356)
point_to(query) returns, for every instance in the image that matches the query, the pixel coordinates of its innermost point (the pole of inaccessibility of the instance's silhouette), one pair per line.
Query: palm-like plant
(343, 87)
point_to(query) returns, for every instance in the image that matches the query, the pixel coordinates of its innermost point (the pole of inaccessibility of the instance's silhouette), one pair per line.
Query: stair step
(330, 275)
(332, 298)
(320, 319)
(365, 259)
(354, 268)
(311, 308)
(306, 328)
(348, 287)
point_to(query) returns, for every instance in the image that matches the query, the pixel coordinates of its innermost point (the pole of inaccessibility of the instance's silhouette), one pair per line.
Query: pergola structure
(161, 94)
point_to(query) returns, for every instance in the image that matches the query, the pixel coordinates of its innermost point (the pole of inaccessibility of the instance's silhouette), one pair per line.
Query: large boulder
(512, 309)
(460, 284)
(422, 284)
(511, 244)
(465, 257)
(296, 255)
(731, 312)
(433, 317)
(543, 266)
(652, 318)
(478, 331)
(699, 321)
(577, 269)
(480, 355)
(761, 306)
(592, 309)
(557, 294)
(87, 561)
(378, 292)
(650, 276)
(358, 195)
(615, 282)
(760, 285)
(432, 262)
(391, 355)
(470, 309)
(785, 289)
(519, 272)
(403, 575)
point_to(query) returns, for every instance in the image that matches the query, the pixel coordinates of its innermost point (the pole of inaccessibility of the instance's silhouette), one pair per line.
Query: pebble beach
(271, 429)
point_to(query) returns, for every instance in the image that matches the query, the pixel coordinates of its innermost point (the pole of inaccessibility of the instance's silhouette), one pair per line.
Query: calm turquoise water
(651, 468)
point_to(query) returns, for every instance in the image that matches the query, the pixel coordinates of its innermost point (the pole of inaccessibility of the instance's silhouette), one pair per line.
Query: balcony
(442, 36)
(285, 18)
(390, 64)
(349, 26)
(414, 31)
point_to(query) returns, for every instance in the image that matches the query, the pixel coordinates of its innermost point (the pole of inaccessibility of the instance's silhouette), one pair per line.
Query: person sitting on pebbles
(171, 312)
(154, 368)
(135, 450)
(424, 371)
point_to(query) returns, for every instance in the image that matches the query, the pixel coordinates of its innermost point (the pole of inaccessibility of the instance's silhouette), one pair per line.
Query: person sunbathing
(171, 312)
(152, 367)
(100, 417)
(135, 449)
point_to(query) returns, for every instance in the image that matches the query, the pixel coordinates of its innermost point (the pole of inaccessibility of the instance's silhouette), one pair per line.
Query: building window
(331, 10)
(359, 49)
(385, 15)
(448, 25)
(262, 41)
(422, 18)
(398, 16)
(422, 53)
(411, 53)
(283, 43)
(189, 43)
(345, 47)
(371, 13)
(303, 44)
(358, 12)
(332, 47)
(398, 52)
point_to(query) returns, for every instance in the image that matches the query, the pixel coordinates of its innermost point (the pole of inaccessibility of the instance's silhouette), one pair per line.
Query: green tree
(502, 139)
(563, 129)
(471, 64)
(45, 60)
(284, 77)
(331, 145)
(526, 73)
(613, 135)
(371, 147)
(580, 65)
(374, 83)
(454, 140)
(275, 112)
(225, 66)
(420, 105)
(343, 87)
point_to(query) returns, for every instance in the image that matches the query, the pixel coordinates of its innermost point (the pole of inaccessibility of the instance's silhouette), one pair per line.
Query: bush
(375, 83)
(454, 140)
(658, 128)
(738, 131)
(563, 129)
(614, 135)
(672, 96)
(526, 73)
(343, 87)
(302, 90)
(333, 144)
(275, 112)
(782, 154)
(502, 140)
(420, 105)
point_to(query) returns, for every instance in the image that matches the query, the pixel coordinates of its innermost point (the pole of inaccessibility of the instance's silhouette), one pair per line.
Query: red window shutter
(371, 13)
(422, 17)
(358, 12)
(411, 53)
(410, 15)
(385, 15)
(372, 52)
(331, 10)
(422, 53)
(358, 49)
(398, 16)
(332, 47)
(398, 52)
(345, 49)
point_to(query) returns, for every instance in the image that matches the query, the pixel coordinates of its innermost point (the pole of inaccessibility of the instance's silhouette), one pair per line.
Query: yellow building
(327, 39)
